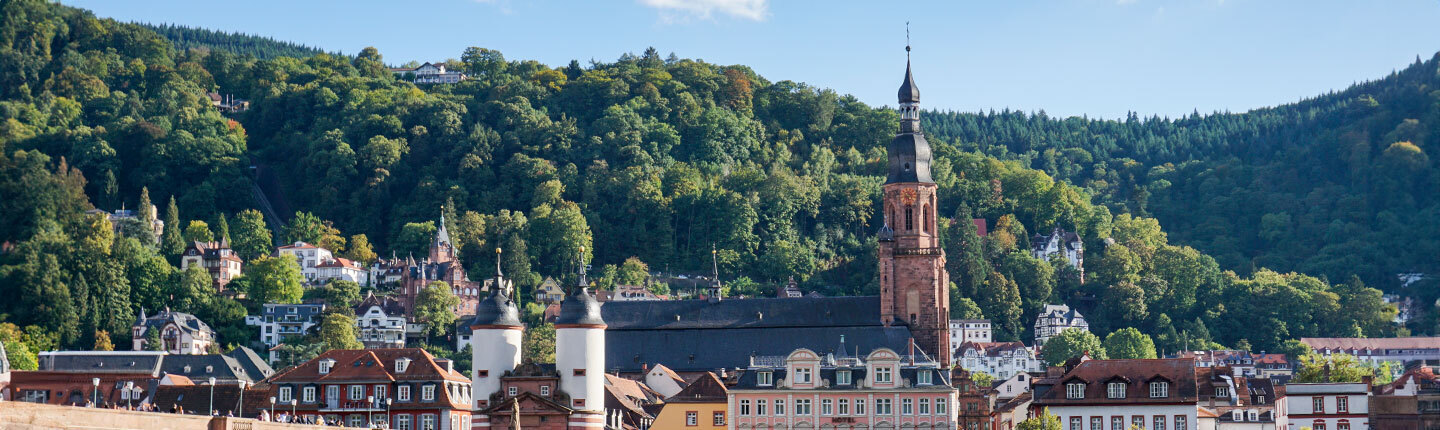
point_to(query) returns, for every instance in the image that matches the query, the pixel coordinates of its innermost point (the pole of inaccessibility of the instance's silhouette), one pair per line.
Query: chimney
(912, 351)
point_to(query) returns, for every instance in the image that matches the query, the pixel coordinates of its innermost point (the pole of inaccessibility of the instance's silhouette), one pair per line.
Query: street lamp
(129, 387)
(95, 393)
(293, 402)
(388, 417)
(212, 396)
(272, 408)
(242, 400)
(369, 410)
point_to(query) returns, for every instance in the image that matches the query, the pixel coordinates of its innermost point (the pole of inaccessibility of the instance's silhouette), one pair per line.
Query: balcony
(919, 251)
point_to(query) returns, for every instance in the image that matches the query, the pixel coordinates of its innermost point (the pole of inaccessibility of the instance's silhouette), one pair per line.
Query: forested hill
(644, 160)
(1335, 185)
(187, 38)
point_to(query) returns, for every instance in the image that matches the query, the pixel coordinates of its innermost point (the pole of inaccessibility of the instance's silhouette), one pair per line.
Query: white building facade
(307, 256)
(1125, 395)
(1055, 319)
(1001, 360)
(279, 321)
(962, 331)
(1328, 406)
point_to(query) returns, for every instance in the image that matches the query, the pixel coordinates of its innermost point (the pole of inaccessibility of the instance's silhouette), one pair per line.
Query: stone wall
(27, 416)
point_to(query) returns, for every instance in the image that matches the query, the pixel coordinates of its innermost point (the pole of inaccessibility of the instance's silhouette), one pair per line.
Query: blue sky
(1100, 58)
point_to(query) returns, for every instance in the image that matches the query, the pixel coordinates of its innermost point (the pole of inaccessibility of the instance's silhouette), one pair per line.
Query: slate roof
(853, 311)
(387, 304)
(496, 310)
(908, 92)
(203, 367)
(102, 362)
(187, 322)
(706, 389)
(940, 377)
(730, 348)
(911, 149)
(580, 308)
(990, 349)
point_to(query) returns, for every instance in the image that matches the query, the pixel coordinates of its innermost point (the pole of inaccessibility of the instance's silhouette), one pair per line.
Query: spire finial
(497, 263)
(582, 282)
(907, 41)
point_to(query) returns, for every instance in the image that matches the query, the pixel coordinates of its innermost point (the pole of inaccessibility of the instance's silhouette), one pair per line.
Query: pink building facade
(806, 390)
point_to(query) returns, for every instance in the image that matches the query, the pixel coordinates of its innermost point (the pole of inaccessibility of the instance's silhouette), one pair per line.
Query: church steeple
(909, 152)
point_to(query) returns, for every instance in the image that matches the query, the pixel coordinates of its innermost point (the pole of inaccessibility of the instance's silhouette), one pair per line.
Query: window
(544, 390)
(1235, 416)
(1075, 423)
(909, 219)
(1342, 425)
(907, 406)
(512, 391)
(1075, 390)
(718, 419)
(802, 407)
(924, 407)
(285, 395)
(1181, 423)
(765, 379)
(779, 407)
(381, 392)
(760, 407)
(1115, 390)
(579, 372)
(1096, 423)
(427, 393)
(1159, 390)
(842, 407)
(1137, 422)
(859, 406)
(402, 422)
(940, 406)
(325, 366)
(1342, 404)
(1222, 391)
(401, 365)
(1254, 416)
(1117, 423)
(692, 418)
(309, 394)
(1317, 404)
(1159, 423)
(882, 375)
(922, 378)
(427, 422)
(827, 407)
(357, 392)
(1319, 425)
(403, 392)
(357, 420)
(332, 393)
(744, 407)
(842, 377)
(882, 407)
(802, 375)
(1260, 400)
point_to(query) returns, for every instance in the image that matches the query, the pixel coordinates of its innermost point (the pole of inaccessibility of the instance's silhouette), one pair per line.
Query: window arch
(909, 218)
(925, 222)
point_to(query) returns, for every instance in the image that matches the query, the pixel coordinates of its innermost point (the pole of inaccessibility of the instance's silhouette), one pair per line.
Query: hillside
(1336, 185)
(186, 38)
(641, 161)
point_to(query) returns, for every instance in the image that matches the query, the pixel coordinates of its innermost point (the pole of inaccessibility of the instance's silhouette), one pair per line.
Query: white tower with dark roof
(495, 341)
(580, 354)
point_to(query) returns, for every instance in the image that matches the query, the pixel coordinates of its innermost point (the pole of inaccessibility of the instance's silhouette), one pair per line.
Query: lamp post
(95, 393)
(369, 411)
(293, 402)
(212, 396)
(241, 407)
(388, 417)
(129, 387)
(272, 408)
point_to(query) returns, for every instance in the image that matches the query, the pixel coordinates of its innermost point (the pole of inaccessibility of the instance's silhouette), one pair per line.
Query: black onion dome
(580, 308)
(496, 310)
(909, 93)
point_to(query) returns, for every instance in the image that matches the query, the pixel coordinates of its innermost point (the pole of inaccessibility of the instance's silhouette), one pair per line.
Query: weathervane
(907, 41)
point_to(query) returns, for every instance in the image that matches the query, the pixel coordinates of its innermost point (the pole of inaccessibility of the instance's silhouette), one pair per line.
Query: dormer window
(401, 365)
(802, 375)
(1254, 415)
(922, 378)
(1222, 391)
(1075, 390)
(765, 378)
(325, 366)
(1236, 416)
(1159, 389)
(1115, 390)
(882, 375)
(842, 377)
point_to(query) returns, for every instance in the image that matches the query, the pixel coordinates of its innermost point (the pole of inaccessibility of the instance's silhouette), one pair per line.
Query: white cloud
(673, 10)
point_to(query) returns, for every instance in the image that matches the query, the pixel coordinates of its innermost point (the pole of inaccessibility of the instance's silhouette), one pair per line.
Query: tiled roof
(339, 262)
(299, 245)
(1179, 372)
(854, 311)
(387, 304)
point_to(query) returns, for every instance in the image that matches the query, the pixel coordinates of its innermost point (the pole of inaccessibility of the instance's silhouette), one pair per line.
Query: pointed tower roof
(442, 235)
(909, 92)
(580, 307)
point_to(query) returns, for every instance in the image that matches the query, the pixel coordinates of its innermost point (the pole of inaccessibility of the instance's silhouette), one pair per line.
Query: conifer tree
(173, 242)
(222, 228)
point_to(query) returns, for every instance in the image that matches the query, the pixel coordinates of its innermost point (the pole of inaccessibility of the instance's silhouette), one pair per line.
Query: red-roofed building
(1120, 394)
(340, 268)
(351, 386)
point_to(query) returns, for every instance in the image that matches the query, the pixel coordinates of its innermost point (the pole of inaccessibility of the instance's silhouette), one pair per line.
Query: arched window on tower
(909, 219)
(925, 224)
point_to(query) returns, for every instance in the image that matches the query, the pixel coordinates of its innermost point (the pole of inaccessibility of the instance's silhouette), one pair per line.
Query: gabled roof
(1180, 372)
(631, 394)
(705, 389)
(146, 362)
(372, 365)
(299, 245)
(991, 349)
(387, 304)
(505, 407)
(670, 373)
(339, 262)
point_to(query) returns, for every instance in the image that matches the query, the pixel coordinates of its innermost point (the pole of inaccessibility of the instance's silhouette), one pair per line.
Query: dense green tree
(1129, 343)
(1002, 304)
(222, 228)
(173, 241)
(539, 344)
(359, 250)
(435, 307)
(1072, 343)
(252, 238)
(1330, 368)
(964, 308)
(337, 331)
(632, 272)
(1044, 421)
(274, 280)
(198, 231)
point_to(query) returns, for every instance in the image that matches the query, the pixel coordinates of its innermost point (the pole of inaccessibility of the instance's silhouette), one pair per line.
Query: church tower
(914, 286)
(442, 249)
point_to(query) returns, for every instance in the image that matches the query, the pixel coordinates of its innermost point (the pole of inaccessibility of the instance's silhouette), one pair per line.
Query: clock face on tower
(907, 196)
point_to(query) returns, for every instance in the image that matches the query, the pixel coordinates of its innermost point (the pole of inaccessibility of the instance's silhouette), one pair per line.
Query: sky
(1100, 58)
